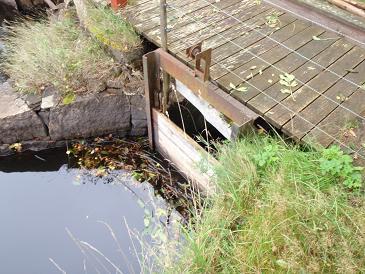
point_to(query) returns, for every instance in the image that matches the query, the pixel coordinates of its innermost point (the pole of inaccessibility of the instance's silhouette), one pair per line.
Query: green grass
(277, 211)
(54, 52)
(110, 29)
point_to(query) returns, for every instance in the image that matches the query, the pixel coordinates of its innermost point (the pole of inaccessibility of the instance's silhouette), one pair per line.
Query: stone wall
(41, 121)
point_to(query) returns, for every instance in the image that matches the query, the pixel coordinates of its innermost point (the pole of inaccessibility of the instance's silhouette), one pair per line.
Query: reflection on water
(40, 198)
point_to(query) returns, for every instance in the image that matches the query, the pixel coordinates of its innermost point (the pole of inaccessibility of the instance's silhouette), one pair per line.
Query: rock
(89, 116)
(5, 150)
(33, 101)
(138, 116)
(95, 86)
(114, 83)
(44, 116)
(8, 9)
(50, 98)
(17, 121)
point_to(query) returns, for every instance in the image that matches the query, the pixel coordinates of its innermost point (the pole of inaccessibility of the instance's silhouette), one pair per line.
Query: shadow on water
(40, 197)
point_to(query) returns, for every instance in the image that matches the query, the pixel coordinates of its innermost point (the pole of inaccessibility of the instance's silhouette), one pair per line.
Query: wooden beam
(183, 152)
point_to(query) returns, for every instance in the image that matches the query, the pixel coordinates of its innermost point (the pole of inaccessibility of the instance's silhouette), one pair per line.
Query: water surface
(40, 197)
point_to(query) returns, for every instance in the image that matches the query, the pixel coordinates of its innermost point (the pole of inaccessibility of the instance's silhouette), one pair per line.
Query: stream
(46, 209)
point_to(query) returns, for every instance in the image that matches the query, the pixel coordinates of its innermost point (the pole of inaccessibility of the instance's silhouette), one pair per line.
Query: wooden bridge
(305, 80)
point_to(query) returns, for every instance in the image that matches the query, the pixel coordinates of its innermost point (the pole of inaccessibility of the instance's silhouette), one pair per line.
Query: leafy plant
(268, 156)
(340, 165)
(288, 80)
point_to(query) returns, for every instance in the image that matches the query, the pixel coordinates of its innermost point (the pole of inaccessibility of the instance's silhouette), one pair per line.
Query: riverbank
(278, 209)
(67, 84)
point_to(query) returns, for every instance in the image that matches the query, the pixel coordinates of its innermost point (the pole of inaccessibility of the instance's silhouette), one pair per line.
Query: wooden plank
(183, 152)
(232, 33)
(150, 17)
(288, 64)
(265, 102)
(226, 27)
(330, 125)
(304, 74)
(280, 114)
(248, 38)
(177, 15)
(276, 53)
(307, 12)
(214, 117)
(236, 62)
(198, 24)
(322, 106)
(151, 72)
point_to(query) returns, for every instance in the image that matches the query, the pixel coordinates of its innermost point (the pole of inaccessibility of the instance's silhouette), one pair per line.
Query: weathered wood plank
(322, 106)
(288, 64)
(216, 21)
(331, 127)
(227, 27)
(276, 53)
(264, 102)
(236, 62)
(183, 152)
(280, 114)
(177, 16)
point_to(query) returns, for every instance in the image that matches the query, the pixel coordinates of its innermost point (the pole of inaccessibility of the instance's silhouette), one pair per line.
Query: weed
(284, 218)
(334, 162)
(55, 52)
(110, 29)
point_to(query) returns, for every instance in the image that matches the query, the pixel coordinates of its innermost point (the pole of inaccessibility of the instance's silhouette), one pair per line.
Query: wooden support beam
(183, 152)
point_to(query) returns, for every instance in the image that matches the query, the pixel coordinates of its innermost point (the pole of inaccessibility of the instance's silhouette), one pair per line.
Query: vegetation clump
(279, 209)
(110, 29)
(54, 52)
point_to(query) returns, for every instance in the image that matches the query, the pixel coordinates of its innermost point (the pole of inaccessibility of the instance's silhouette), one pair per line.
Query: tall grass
(275, 213)
(54, 52)
(110, 28)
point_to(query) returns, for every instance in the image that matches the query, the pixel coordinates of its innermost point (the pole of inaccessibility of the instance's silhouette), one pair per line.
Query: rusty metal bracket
(192, 51)
(195, 52)
(206, 56)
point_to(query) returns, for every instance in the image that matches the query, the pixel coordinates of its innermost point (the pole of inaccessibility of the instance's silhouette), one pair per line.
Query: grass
(57, 52)
(277, 211)
(110, 29)
(54, 52)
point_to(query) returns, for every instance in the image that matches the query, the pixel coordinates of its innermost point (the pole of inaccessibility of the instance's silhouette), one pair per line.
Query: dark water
(39, 199)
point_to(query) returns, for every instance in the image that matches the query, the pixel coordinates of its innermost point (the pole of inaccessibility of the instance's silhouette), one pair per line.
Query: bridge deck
(253, 45)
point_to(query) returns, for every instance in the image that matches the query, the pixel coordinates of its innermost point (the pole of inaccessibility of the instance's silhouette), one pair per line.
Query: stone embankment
(43, 121)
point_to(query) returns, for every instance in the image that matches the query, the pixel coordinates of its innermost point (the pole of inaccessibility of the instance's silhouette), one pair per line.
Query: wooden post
(165, 75)
(117, 4)
(151, 72)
